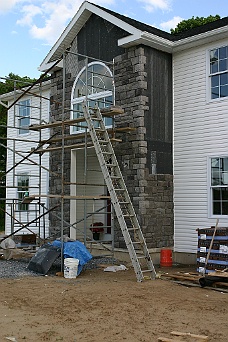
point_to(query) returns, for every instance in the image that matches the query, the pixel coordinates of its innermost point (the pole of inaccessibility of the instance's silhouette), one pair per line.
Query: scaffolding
(32, 206)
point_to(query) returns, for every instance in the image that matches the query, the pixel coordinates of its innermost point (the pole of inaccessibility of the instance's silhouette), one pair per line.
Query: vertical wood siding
(200, 131)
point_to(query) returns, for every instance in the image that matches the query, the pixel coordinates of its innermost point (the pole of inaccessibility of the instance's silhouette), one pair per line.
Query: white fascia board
(147, 39)
(200, 39)
(74, 27)
(47, 66)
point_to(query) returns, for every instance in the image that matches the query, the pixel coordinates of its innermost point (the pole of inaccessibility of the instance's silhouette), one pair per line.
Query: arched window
(96, 82)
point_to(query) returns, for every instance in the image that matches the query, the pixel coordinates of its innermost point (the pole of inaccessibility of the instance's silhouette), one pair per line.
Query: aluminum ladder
(131, 230)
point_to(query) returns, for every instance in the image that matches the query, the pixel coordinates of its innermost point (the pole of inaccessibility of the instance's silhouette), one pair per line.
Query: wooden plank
(56, 124)
(178, 333)
(52, 149)
(28, 199)
(72, 197)
(82, 135)
(223, 273)
(181, 277)
(106, 112)
(165, 339)
(111, 111)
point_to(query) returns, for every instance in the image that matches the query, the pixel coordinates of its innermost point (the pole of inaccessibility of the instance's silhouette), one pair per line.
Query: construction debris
(213, 280)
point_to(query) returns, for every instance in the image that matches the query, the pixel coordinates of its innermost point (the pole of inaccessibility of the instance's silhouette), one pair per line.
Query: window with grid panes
(219, 186)
(219, 72)
(94, 82)
(22, 189)
(24, 116)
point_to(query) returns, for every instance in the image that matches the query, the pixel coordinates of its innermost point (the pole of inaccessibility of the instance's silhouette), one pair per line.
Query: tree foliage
(11, 82)
(188, 24)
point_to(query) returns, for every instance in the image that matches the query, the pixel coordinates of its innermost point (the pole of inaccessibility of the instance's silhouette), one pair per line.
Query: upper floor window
(24, 116)
(219, 72)
(219, 186)
(94, 82)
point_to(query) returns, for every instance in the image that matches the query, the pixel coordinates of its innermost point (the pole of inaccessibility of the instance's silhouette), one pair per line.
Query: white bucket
(70, 267)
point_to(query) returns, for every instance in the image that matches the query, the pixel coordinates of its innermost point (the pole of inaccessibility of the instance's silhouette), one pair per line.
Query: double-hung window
(22, 190)
(24, 116)
(219, 186)
(94, 83)
(219, 72)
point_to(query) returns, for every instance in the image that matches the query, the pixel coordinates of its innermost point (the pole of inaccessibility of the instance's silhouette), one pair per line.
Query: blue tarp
(74, 249)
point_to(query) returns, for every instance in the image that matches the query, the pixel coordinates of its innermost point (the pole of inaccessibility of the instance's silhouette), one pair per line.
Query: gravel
(18, 268)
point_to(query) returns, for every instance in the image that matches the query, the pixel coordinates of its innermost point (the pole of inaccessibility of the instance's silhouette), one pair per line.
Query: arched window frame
(104, 98)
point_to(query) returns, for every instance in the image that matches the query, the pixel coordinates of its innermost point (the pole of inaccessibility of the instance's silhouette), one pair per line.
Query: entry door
(87, 170)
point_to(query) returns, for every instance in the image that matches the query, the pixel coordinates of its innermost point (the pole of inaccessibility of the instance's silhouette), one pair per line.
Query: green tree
(188, 24)
(11, 82)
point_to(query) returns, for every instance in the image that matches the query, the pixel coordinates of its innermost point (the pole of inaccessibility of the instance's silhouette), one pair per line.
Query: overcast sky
(29, 28)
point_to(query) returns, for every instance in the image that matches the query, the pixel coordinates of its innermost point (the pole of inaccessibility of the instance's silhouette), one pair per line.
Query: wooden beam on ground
(165, 339)
(178, 333)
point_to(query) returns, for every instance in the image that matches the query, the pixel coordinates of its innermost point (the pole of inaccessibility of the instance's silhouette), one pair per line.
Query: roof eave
(11, 95)
(202, 38)
(147, 39)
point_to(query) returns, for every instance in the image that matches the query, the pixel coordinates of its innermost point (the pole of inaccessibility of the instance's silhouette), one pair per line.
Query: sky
(29, 28)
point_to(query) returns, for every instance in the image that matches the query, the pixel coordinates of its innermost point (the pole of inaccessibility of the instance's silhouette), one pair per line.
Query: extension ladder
(131, 230)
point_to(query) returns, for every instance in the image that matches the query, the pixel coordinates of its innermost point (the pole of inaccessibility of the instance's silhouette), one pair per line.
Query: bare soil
(105, 306)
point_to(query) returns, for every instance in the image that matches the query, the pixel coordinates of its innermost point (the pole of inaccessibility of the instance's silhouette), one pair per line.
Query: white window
(24, 116)
(219, 185)
(94, 82)
(22, 190)
(219, 72)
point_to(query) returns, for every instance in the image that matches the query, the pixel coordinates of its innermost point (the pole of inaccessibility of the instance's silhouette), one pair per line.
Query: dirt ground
(105, 306)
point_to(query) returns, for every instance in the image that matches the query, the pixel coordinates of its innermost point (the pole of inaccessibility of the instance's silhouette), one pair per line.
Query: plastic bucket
(166, 259)
(70, 267)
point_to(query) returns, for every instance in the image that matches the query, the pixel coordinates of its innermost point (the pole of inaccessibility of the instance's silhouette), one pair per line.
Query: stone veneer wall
(152, 195)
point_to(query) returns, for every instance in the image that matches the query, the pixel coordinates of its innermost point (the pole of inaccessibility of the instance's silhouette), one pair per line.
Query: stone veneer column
(151, 194)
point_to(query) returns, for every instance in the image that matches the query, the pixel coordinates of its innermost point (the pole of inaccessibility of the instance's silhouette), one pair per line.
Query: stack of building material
(212, 251)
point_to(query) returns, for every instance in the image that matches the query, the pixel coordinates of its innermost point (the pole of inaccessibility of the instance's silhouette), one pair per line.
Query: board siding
(200, 131)
(27, 167)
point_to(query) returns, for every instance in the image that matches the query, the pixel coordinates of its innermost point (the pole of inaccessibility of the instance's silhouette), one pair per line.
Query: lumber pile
(214, 280)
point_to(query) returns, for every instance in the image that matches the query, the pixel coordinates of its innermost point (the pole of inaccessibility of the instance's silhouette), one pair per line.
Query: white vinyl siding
(26, 167)
(200, 131)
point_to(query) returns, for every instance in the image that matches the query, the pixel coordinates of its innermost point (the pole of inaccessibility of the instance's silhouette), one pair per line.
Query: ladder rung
(135, 229)
(128, 215)
(141, 257)
(115, 177)
(106, 152)
(95, 118)
(144, 271)
(99, 130)
(111, 165)
(103, 141)
(119, 189)
(124, 202)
